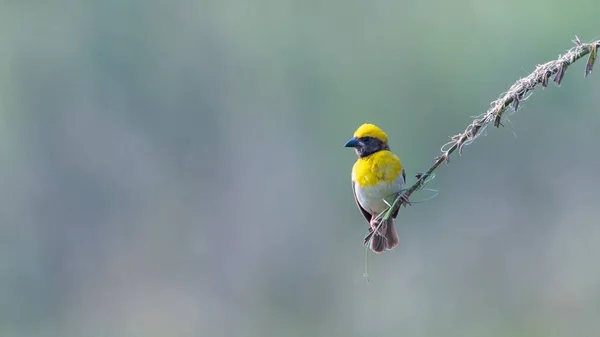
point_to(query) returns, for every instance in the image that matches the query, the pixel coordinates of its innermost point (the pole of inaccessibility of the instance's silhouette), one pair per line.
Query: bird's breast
(377, 177)
(372, 197)
(382, 166)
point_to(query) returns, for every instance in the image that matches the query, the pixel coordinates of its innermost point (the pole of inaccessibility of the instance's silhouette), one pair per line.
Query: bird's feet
(404, 199)
(374, 224)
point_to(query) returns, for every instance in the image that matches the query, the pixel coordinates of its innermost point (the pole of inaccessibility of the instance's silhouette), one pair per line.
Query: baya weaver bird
(377, 178)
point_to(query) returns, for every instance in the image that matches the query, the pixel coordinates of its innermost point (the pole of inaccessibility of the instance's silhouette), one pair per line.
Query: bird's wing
(364, 212)
(395, 214)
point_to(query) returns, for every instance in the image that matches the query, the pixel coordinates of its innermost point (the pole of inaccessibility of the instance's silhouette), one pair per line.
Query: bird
(377, 178)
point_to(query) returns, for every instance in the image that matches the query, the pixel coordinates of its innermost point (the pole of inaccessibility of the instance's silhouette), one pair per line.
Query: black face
(366, 146)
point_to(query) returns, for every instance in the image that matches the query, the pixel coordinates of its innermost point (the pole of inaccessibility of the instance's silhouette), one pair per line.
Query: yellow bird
(376, 175)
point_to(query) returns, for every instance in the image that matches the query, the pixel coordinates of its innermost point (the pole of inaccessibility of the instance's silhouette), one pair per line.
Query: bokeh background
(176, 169)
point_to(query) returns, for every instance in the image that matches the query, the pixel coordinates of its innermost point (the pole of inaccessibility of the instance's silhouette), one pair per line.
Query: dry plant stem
(517, 93)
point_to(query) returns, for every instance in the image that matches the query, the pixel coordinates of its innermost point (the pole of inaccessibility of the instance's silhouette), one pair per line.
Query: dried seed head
(591, 59)
(560, 73)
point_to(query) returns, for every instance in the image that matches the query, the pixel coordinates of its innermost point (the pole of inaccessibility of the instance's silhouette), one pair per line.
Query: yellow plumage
(370, 130)
(382, 166)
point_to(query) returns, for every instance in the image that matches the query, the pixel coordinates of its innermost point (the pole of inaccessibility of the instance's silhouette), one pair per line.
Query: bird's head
(367, 140)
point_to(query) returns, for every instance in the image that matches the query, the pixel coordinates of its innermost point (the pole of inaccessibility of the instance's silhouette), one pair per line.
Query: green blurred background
(176, 169)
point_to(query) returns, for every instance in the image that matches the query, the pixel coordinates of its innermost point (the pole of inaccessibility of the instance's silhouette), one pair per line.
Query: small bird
(376, 175)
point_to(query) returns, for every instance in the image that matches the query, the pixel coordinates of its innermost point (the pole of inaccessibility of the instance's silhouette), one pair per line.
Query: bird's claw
(404, 199)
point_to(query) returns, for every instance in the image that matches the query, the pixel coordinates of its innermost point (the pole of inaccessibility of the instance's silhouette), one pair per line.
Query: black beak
(352, 142)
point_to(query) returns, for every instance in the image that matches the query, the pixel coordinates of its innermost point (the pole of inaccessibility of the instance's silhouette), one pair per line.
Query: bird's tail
(383, 239)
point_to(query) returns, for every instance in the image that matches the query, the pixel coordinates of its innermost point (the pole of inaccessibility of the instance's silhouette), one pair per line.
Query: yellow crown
(370, 130)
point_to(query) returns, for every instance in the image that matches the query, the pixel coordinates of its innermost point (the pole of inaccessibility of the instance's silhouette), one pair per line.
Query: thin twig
(517, 93)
